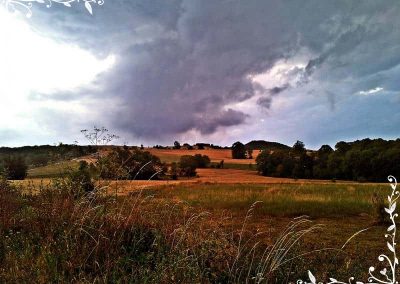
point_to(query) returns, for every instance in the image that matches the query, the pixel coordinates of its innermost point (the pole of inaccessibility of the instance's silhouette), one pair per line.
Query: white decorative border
(392, 261)
(25, 6)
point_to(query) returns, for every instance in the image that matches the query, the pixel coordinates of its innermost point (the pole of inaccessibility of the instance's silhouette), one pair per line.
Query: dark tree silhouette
(238, 150)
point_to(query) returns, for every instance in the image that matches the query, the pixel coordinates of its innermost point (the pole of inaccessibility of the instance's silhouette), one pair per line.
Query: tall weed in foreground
(59, 236)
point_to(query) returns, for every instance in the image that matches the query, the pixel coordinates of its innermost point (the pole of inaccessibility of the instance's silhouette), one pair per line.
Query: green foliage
(81, 178)
(202, 161)
(14, 168)
(266, 145)
(365, 160)
(36, 156)
(299, 147)
(238, 150)
(130, 164)
(177, 145)
(187, 166)
(174, 171)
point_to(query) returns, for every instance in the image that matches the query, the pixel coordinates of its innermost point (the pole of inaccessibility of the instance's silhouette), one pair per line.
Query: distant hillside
(261, 144)
(42, 155)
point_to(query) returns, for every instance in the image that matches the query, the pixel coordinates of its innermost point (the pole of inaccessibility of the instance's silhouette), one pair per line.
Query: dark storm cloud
(180, 63)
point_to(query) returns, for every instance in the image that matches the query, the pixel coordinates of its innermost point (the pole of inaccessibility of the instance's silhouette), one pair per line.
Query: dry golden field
(216, 155)
(342, 208)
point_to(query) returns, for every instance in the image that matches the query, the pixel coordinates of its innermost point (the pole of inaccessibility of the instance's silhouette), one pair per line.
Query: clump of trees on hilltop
(362, 160)
(239, 151)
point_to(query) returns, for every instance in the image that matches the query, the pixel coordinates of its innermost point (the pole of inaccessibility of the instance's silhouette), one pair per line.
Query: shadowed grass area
(314, 200)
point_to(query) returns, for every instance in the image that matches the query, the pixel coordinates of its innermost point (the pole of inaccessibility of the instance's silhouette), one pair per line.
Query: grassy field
(214, 207)
(288, 200)
(52, 170)
(341, 209)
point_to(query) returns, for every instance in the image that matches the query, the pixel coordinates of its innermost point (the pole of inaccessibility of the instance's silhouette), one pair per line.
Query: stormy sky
(202, 71)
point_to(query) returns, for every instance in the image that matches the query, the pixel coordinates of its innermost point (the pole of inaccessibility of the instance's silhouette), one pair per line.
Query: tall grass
(55, 236)
(290, 200)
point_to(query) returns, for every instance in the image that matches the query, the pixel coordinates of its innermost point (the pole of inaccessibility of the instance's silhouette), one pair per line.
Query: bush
(187, 166)
(82, 178)
(130, 164)
(174, 171)
(15, 168)
(202, 161)
(238, 150)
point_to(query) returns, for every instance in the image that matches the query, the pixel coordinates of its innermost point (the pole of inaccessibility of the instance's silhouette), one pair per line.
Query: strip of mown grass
(314, 200)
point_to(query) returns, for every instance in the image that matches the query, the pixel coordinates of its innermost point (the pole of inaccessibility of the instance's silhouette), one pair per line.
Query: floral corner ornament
(388, 274)
(25, 6)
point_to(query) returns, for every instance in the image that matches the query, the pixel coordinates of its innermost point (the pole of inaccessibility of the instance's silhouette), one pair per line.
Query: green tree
(202, 161)
(130, 164)
(187, 166)
(342, 147)
(177, 145)
(238, 150)
(299, 147)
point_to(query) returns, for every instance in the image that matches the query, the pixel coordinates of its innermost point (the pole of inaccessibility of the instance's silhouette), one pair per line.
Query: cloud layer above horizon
(219, 71)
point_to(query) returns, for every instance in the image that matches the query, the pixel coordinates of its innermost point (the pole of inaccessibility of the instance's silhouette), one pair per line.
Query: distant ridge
(262, 144)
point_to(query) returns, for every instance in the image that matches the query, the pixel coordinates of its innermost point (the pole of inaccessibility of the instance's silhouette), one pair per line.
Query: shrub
(174, 171)
(187, 166)
(15, 168)
(82, 178)
(202, 161)
(238, 150)
(130, 164)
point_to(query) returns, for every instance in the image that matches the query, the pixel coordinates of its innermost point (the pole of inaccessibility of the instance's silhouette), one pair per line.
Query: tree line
(361, 160)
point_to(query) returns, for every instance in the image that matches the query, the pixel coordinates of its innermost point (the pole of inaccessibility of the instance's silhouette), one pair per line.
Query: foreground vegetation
(55, 236)
(198, 233)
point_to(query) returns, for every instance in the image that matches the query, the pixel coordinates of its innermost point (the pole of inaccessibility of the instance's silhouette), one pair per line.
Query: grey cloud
(265, 102)
(277, 90)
